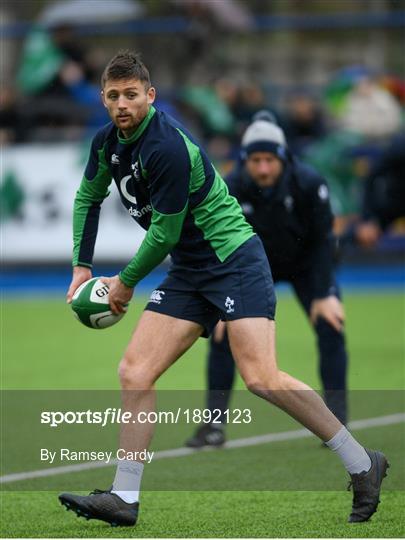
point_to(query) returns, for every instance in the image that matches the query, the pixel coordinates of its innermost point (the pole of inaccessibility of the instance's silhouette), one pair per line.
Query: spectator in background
(384, 193)
(207, 23)
(251, 99)
(304, 122)
(371, 110)
(243, 100)
(47, 52)
(11, 128)
(55, 78)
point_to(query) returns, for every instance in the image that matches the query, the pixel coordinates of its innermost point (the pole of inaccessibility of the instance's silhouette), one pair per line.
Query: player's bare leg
(252, 342)
(253, 347)
(157, 342)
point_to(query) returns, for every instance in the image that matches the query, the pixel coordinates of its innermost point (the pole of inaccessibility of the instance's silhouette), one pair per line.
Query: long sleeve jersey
(294, 221)
(168, 185)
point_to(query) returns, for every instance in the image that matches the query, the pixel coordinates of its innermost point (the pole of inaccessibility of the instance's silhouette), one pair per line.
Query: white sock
(127, 481)
(355, 458)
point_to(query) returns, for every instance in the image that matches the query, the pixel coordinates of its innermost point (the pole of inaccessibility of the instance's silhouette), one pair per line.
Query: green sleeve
(86, 211)
(162, 235)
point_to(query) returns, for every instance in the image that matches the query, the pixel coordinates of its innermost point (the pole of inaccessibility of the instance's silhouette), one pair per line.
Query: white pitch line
(180, 452)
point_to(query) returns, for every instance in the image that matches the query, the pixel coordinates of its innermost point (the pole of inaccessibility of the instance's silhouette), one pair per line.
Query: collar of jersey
(141, 128)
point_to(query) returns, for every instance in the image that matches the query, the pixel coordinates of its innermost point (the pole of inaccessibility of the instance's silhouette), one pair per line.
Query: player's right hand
(119, 294)
(80, 275)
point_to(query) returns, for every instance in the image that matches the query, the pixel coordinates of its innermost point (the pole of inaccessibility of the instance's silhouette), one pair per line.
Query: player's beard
(127, 121)
(132, 121)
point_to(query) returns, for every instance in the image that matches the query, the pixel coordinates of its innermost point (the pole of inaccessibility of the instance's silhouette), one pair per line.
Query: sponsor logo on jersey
(115, 160)
(124, 190)
(156, 296)
(134, 212)
(229, 303)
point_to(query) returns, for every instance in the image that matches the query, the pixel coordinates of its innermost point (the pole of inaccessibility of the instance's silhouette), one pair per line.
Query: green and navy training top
(169, 186)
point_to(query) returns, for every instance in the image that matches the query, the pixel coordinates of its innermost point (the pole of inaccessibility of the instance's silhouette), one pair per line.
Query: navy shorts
(240, 287)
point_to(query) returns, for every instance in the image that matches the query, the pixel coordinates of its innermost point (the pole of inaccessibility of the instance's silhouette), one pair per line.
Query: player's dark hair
(126, 65)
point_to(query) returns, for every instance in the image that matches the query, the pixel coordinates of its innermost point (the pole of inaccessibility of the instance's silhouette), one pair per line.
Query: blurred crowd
(351, 130)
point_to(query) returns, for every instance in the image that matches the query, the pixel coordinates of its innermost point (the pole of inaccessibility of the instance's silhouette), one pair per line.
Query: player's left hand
(330, 309)
(119, 294)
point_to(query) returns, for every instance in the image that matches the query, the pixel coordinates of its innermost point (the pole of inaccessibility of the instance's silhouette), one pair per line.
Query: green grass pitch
(44, 347)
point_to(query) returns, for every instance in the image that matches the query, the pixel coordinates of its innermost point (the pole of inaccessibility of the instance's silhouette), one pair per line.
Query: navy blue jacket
(294, 221)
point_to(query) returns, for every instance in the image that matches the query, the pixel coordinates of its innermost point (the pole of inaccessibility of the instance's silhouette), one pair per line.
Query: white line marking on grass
(180, 452)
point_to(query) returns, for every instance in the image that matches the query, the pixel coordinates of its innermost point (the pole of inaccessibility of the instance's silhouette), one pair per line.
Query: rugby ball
(91, 306)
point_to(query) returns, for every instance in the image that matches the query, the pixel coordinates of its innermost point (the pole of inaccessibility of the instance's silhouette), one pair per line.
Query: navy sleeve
(92, 191)
(168, 170)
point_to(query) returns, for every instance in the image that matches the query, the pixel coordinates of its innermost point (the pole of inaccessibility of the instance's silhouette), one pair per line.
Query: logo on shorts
(156, 296)
(229, 303)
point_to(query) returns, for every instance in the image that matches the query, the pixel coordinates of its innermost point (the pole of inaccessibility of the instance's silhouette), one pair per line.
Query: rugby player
(219, 269)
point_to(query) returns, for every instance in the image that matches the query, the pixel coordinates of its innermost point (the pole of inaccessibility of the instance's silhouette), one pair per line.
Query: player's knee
(260, 390)
(265, 387)
(133, 377)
